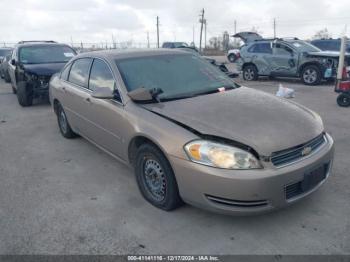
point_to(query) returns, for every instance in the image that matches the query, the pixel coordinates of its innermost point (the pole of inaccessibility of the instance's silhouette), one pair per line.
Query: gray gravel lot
(60, 196)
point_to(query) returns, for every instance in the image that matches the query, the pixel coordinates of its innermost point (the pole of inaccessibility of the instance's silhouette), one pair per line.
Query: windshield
(180, 44)
(305, 47)
(45, 54)
(4, 52)
(177, 75)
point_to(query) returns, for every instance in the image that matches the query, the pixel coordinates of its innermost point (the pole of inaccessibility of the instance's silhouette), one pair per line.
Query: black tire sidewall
(318, 71)
(69, 132)
(253, 68)
(340, 100)
(232, 58)
(172, 199)
(24, 94)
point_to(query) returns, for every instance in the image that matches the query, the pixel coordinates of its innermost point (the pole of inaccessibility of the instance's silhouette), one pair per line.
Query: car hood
(333, 54)
(43, 69)
(254, 118)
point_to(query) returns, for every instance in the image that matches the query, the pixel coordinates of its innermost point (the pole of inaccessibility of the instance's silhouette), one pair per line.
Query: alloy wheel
(310, 76)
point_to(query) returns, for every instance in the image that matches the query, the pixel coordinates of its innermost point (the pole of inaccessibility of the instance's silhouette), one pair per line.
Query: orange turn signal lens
(194, 151)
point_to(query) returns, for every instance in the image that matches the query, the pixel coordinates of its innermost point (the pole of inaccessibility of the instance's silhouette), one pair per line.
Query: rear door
(260, 54)
(76, 95)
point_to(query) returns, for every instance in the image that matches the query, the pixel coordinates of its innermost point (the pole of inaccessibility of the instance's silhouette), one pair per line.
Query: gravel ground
(60, 196)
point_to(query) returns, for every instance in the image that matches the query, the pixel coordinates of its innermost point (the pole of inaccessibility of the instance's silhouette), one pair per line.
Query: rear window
(42, 54)
(264, 48)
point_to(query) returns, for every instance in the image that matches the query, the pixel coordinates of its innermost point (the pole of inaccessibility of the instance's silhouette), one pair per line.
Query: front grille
(290, 155)
(237, 203)
(310, 181)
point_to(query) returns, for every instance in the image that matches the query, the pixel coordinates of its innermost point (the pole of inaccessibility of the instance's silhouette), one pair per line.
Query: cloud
(96, 20)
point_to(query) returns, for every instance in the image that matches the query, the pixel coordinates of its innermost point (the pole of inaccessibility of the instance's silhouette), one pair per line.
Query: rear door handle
(64, 89)
(88, 100)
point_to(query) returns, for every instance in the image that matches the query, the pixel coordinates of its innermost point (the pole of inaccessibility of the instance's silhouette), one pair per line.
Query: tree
(322, 34)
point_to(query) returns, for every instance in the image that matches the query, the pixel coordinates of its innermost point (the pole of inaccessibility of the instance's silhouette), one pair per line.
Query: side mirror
(13, 62)
(103, 93)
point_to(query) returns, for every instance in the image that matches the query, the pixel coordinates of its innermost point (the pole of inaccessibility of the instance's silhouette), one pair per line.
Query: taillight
(344, 74)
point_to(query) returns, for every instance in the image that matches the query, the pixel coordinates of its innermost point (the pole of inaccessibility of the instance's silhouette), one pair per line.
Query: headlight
(221, 156)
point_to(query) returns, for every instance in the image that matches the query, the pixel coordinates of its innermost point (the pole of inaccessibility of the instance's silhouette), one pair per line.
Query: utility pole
(71, 41)
(201, 20)
(205, 33)
(147, 39)
(274, 28)
(157, 32)
(193, 35)
(235, 31)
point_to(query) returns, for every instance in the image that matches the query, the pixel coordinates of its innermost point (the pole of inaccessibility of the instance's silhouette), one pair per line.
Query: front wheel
(343, 100)
(311, 75)
(250, 73)
(155, 178)
(24, 94)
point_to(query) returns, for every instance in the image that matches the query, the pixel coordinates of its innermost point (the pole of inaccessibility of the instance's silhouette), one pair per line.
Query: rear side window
(65, 72)
(100, 76)
(79, 72)
(264, 48)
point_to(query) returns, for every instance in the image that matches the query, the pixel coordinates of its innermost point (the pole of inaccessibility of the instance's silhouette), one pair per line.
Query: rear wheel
(155, 178)
(343, 100)
(63, 124)
(232, 58)
(24, 94)
(311, 75)
(250, 73)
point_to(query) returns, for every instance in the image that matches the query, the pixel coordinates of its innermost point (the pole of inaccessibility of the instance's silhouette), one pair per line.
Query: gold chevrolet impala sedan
(190, 133)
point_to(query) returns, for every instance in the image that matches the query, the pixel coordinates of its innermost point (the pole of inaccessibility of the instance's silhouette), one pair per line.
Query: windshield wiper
(143, 95)
(205, 92)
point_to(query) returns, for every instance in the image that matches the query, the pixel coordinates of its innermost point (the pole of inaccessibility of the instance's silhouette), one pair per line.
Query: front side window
(177, 75)
(100, 76)
(44, 54)
(79, 72)
(65, 72)
(282, 50)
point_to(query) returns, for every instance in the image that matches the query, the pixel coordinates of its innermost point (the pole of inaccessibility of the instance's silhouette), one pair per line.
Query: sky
(95, 21)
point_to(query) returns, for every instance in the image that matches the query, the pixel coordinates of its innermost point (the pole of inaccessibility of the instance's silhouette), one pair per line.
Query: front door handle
(88, 100)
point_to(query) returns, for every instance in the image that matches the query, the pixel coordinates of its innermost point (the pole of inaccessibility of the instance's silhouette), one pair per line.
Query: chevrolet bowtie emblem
(306, 151)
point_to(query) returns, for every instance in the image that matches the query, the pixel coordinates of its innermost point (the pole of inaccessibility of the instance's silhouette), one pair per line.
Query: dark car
(330, 44)
(180, 45)
(32, 65)
(4, 51)
(4, 73)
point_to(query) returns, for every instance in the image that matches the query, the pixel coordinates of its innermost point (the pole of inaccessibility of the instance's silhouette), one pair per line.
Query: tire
(232, 58)
(250, 73)
(63, 124)
(155, 178)
(311, 75)
(24, 94)
(7, 77)
(343, 100)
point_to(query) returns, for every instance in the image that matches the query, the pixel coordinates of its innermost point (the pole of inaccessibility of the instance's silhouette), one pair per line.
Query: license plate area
(311, 180)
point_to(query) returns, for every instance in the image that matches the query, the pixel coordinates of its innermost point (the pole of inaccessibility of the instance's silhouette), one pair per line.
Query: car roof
(131, 53)
(40, 44)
